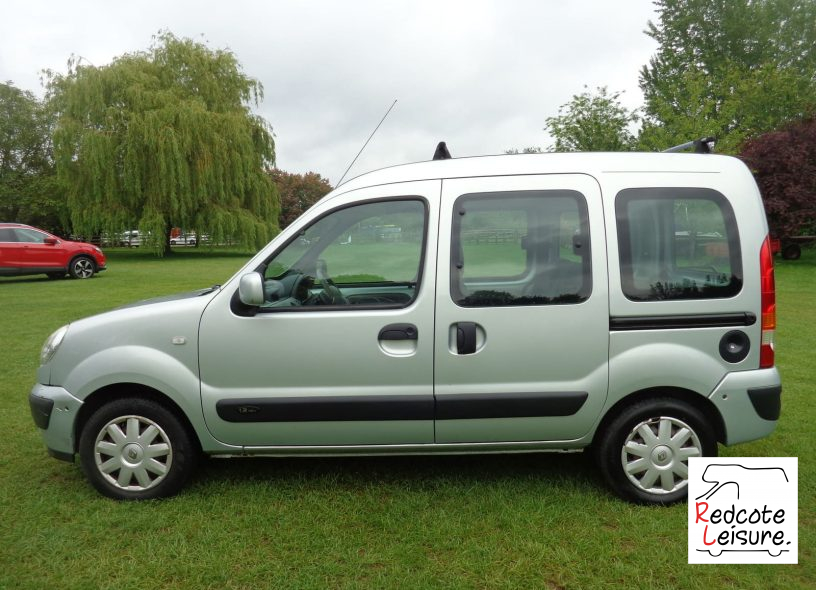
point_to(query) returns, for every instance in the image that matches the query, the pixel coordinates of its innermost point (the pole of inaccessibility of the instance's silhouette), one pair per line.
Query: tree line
(741, 71)
(166, 137)
(157, 139)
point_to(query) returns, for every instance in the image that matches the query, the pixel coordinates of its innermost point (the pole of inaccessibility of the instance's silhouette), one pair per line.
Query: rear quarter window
(677, 243)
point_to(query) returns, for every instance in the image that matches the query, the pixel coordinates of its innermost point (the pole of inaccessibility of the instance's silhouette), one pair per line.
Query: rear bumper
(54, 411)
(749, 403)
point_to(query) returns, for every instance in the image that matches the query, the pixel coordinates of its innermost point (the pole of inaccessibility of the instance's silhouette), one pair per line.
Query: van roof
(594, 163)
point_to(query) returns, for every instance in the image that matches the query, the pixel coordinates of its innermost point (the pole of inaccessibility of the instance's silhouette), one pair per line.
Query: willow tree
(165, 138)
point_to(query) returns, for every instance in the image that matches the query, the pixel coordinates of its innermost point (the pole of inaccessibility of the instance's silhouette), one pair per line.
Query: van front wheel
(643, 452)
(135, 449)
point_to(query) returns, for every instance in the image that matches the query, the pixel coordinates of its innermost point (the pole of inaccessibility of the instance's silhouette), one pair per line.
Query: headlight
(98, 250)
(52, 344)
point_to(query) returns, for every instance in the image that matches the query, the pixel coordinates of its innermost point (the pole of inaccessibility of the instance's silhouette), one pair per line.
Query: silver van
(622, 303)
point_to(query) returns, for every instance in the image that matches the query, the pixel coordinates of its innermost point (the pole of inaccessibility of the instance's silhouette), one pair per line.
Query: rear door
(10, 250)
(522, 330)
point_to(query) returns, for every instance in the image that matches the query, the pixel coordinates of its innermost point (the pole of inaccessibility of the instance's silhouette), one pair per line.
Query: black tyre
(791, 252)
(136, 449)
(82, 267)
(643, 452)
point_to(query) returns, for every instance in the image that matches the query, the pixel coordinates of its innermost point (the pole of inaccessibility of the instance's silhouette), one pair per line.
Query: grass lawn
(517, 521)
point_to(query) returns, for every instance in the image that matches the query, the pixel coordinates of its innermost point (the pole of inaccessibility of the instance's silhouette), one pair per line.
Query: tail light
(768, 305)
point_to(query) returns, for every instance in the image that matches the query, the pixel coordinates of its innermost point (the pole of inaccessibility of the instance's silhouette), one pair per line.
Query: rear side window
(677, 243)
(520, 248)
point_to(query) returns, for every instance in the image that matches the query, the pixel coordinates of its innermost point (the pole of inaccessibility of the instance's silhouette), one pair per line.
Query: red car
(26, 250)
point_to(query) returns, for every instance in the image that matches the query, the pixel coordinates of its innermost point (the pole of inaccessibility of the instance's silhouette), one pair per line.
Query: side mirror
(50, 241)
(250, 289)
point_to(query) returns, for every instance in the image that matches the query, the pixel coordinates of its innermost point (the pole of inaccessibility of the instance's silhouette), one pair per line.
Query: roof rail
(441, 152)
(704, 145)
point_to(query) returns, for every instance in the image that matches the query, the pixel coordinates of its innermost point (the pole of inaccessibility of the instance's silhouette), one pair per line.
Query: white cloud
(482, 75)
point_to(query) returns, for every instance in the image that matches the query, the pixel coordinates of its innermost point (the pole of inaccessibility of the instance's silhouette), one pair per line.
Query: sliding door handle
(466, 337)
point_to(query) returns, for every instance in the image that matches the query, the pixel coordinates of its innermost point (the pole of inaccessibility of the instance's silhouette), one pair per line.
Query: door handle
(466, 337)
(399, 332)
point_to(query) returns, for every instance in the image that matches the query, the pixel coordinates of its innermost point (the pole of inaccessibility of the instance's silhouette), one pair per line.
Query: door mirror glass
(51, 241)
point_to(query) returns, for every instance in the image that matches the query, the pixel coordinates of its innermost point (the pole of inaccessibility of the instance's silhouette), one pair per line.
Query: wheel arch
(116, 391)
(694, 399)
(77, 255)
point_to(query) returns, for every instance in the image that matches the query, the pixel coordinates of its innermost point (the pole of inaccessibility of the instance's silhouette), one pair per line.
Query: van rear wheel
(136, 449)
(643, 452)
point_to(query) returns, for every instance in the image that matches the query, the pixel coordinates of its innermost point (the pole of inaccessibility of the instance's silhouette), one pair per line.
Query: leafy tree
(728, 68)
(29, 192)
(593, 123)
(165, 138)
(297, 193)
(784, 164)
(527, 150)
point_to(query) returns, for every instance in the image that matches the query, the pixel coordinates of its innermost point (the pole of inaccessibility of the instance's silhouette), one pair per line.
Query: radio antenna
(366, 143)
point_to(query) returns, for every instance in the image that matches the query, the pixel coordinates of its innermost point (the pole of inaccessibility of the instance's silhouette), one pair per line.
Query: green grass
(523, 521)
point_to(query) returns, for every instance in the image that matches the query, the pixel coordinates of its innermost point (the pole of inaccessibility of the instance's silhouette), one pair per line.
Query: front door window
(365, 255)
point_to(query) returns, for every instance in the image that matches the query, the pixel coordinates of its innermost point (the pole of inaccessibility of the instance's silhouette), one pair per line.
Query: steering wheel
(331, 295)
(300, 288)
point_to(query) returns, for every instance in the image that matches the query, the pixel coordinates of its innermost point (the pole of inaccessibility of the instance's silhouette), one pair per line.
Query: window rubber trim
(456, 251)
(624, 245)
(241, 310)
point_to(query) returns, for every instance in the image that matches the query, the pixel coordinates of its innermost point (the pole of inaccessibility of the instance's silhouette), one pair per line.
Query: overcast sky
(481, 75)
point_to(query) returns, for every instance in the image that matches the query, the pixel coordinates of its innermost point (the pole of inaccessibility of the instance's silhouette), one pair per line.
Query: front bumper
(749, 403)
(55, 411)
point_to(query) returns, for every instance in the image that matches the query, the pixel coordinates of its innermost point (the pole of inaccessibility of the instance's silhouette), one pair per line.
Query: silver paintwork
(250, 289)
(543, 348)
(655, 454)
(742, 423)
(536, 349)
(133, 453)
(133, 347)
(59, 436)
(322, 353)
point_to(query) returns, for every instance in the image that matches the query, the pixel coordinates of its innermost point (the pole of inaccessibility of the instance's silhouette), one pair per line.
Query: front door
(341, 351)
(522, 335)
(34, 252)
